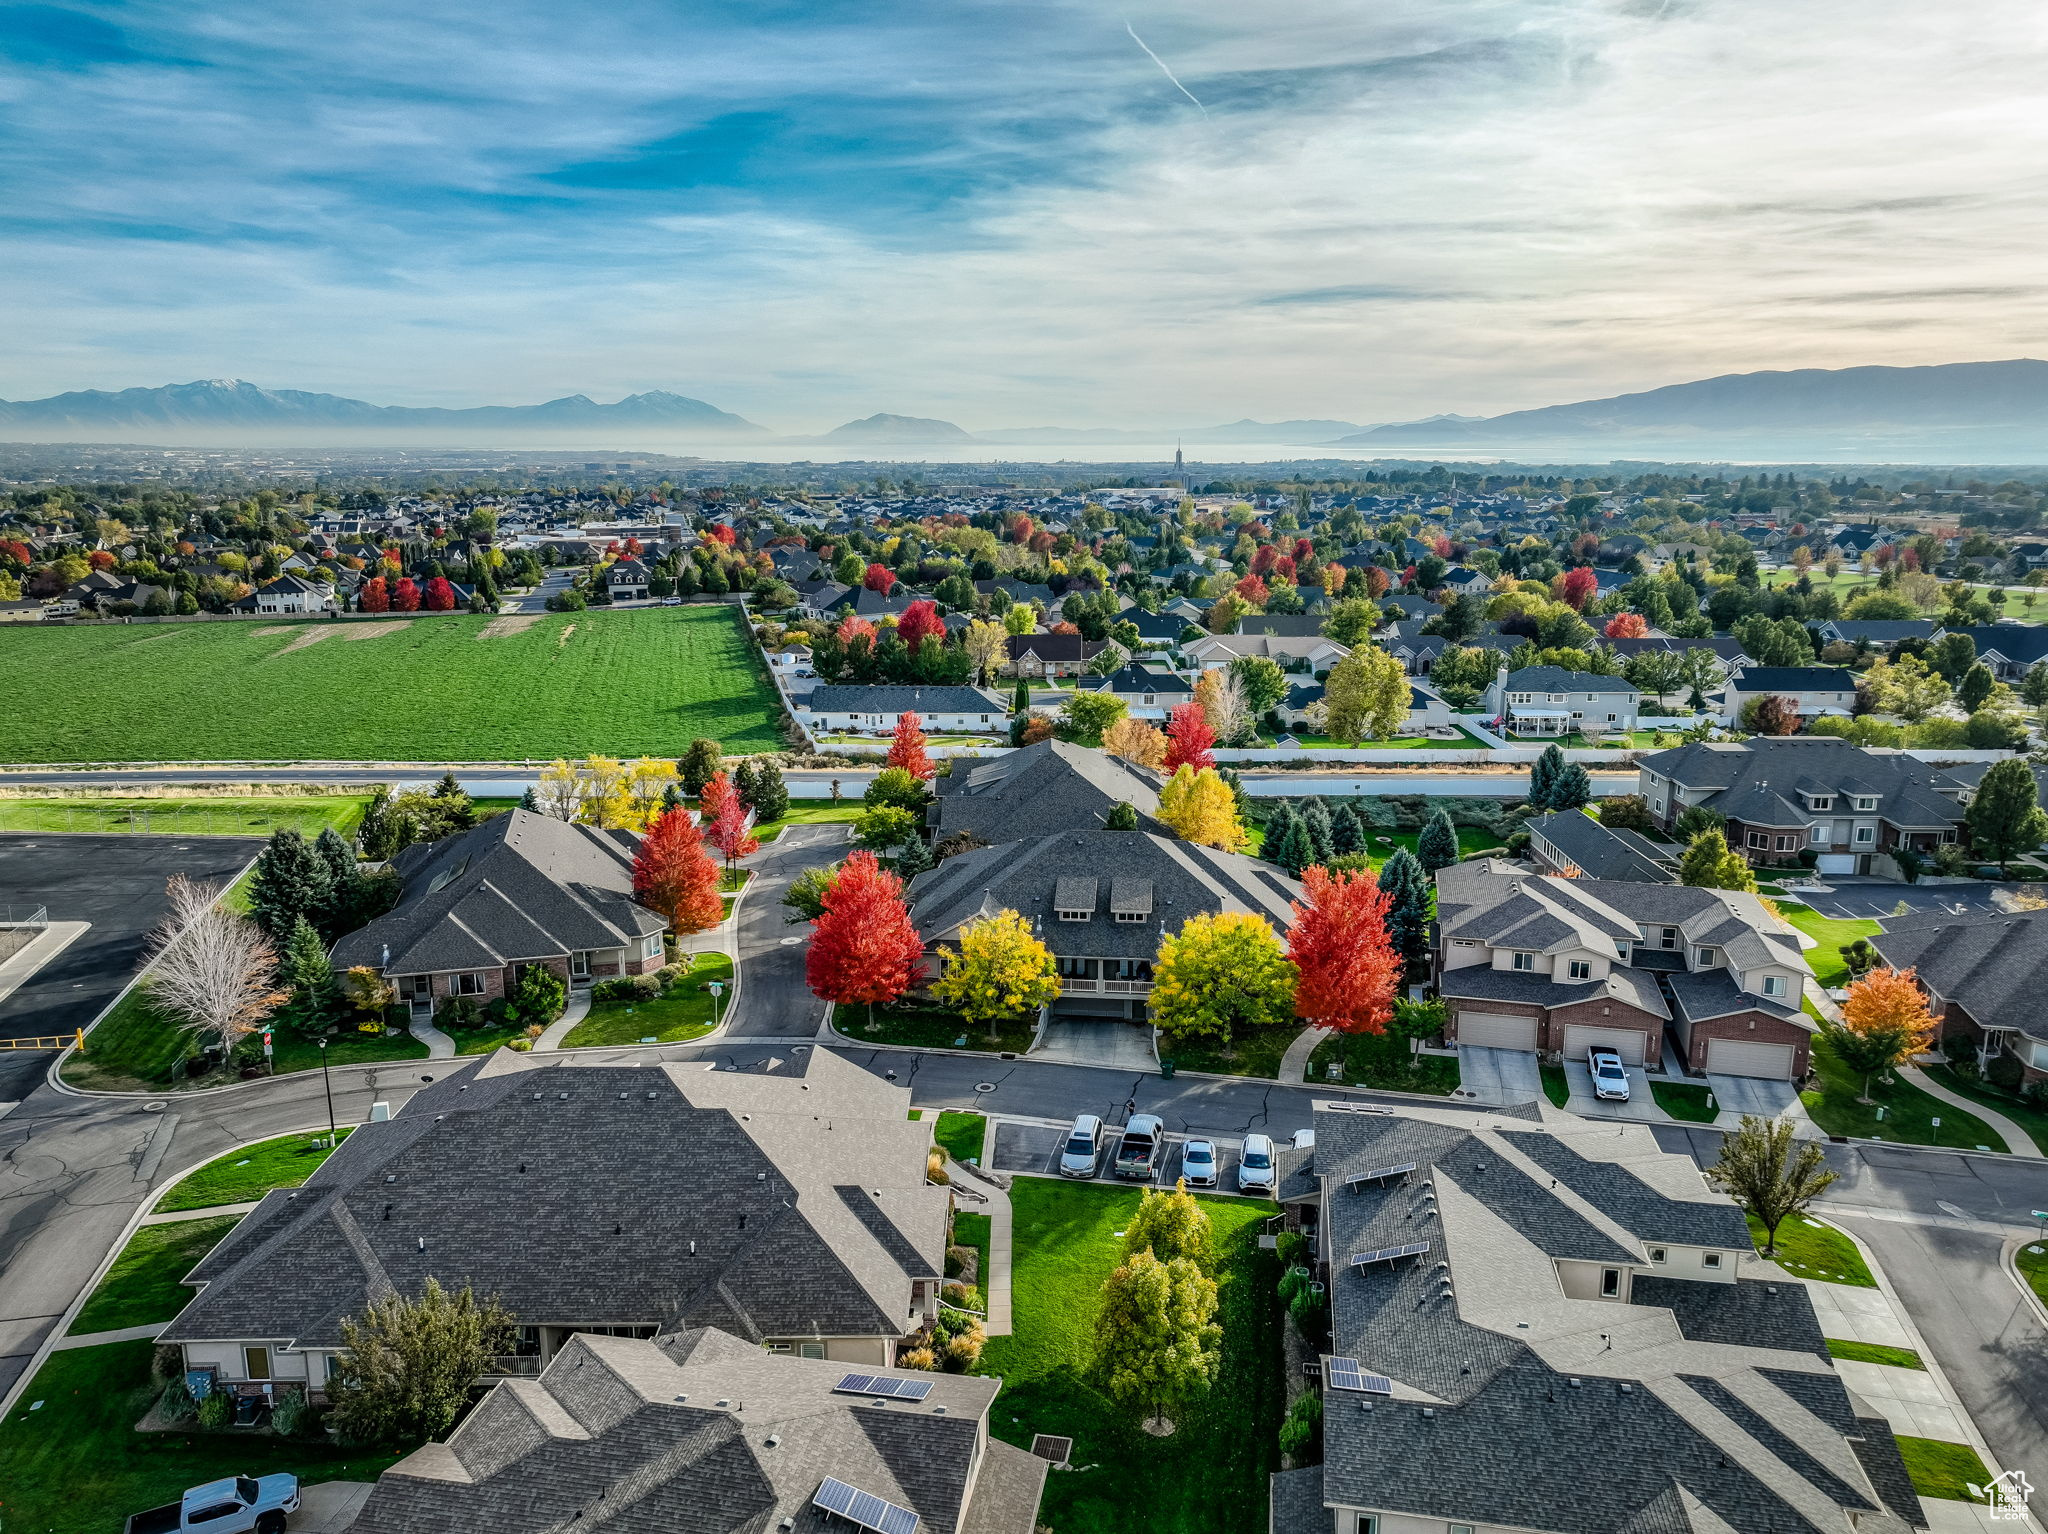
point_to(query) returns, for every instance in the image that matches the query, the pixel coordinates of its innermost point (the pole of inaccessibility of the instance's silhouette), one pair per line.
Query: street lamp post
(327, 1081)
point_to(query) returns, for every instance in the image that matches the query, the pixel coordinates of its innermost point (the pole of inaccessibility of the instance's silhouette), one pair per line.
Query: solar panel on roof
(864, 1508)
(1342, 1373)
(1378, 1174)
(1389, 1253)
(884, 1385)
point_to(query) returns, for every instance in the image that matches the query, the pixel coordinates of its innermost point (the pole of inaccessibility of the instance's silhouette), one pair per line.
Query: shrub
(918, 1358)
(2036, 1094)
(957, 1258)
(166, 1364)
(627, 988)
(1291, 1246)
(964, 1351)
(671, 975)
(1294, 1281)
(935, 1167)
(1301, 1431)
(1628, 812)
(288, 1411)
(215, 1411)
(1517, 844)
(1309, 1312)
(459, 1012)
(966, 1296)
(176, 1403)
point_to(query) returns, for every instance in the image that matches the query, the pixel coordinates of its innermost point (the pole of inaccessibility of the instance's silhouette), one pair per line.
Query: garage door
(1739, 1057)
(1492, 1030)
(1629, 1041)
(1836, 863)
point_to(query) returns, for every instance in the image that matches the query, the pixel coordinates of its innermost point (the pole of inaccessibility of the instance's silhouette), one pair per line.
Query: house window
(1825, 803)
(1866, 801)
(1130, 917)
(1074, 915)
(1581, 970)
(1819, 835)
(1758, 840)
(1610, 1283)
(1669, 938)
(1368, 1523)
(1656, 1254)
(1711, 1260)
(1788, 844)
(1709, 957)
(256, 1363)
(1865, 835)
(1774, 985)
(810, 1350)
(1524, 961)
(579, 964)
(469, 985)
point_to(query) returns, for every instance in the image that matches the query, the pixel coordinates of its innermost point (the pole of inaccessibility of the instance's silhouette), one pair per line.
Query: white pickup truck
(241, 1504)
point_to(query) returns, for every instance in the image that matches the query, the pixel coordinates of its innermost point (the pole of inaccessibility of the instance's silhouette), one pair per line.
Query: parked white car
(1255, 1165)
(1610, 1076)
(1083, 1148)
(1198, 1163)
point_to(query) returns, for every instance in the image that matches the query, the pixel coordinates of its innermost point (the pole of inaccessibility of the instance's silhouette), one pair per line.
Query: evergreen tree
(291, 881)
(1571, 788)
(1235, 783)
(1437, 846)
(2005, 817)
(1315, 820)
(1296, 851)
(913, 860)
(699, 763)
(1347, 836)
(379, 832)
(1020, 698)
(1975, 687)
(1407, 890)
(530, 801)
(1278, 822)
(770, 797)
(1542, 775)
(345, 884)
(743, 781)
(1122, 817)
(305, 969)
(671, 798)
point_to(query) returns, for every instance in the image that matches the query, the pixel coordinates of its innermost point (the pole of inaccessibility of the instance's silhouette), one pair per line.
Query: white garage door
(1629, 1041)
(1739, 1057)
(1836, 863)
(1492, 1030)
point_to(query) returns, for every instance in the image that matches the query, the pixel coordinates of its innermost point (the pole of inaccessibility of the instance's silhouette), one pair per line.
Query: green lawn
(1380, 845)
(1944, 1470)
(971, 1229)
(1829, 968)
(481, 1041)
(1684, 1100)
(1909, 1113)
(960, 1135)
(810, 813)
(257, 816)
(684, 1013)
(248, 1173)
(135, 1048)
(930, 1028)
(1466, 741)
(144, 1284)
(1382, 1060)
(2021, 1112)
(1556, 1085)
(1209, 1477)
(2032, 1261)
(1874, 1353)
(1258, 1055)
(621, 683)
(77, 1465)
(1809, 1249)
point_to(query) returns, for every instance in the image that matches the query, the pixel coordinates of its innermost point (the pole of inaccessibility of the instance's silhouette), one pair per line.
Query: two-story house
(1814, 692)
(1549, 700)
(625, 580)
(1561, 1329)
(1100, 900)
(1985, 974)
(1789, 798)
(1557, 965)
(1290, 652)
(624, 1200)
(1147, 692)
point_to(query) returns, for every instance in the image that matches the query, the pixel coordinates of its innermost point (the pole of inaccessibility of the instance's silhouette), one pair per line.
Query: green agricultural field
(461, 688)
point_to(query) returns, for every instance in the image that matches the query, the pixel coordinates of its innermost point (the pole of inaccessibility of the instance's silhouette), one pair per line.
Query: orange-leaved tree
(1349, 971)
(906, 747)
(1626, 626)
(674, 876)
(1885, 1021)
(725, 814)
(863, 946)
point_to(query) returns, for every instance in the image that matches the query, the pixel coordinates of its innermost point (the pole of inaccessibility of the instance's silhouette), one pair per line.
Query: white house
(1815, 691)
(856, 709)
(1549, 700)
(1290, 652)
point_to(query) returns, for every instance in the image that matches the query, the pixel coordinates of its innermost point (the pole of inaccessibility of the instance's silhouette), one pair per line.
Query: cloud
(1007, 213)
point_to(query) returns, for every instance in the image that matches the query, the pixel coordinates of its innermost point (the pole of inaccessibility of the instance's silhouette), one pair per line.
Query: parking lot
(117, 884)
(1034, 1148)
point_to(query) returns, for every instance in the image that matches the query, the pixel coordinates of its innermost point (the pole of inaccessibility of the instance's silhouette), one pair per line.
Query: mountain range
(1957, 412)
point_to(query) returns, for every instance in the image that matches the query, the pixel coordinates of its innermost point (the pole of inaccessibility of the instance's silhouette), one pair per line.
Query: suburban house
(1814, 691)
(822, 598)
(1550, 1329)
(1100, 900)
(1418, 652)
(1427, 711)
(1549, 700)
(1787, 797)
(1873, 633)
(1579, 847)
(1045, 655)
(786, 1204)
(857, 708)
(1050, 786)
(519, 889)
(688, 1431)
(625, 580)
(1984, 974)
(1297, 625)
(1148, 692)
(2011, 650)
(1290, 652)
(1557, 965)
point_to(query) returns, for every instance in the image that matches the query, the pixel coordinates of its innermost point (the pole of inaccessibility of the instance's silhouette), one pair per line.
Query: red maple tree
(906, 747)
(405, 597)
(674, 876)
(1334, 576)
(1348, 970)
(863, 947)
(100, 559)
(440, 596)
(879, 579)
(1578, 587)
(920, 621)
(1264, 559)
(853, 627)
(1626, 626)
(1253, 590)
(725, 813)
(1188, 739)
(1376, 582)
(1442, 545)
(375, 597)
(720, 533)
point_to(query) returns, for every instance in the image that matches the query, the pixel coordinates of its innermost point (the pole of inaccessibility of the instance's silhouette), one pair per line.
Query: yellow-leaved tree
(999, 971)
(647, 780)
(1198, 806)
(1222, 976)
(1135, 741)
(1368, 695)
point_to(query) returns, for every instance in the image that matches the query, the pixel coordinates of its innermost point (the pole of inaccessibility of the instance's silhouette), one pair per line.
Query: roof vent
(564, 1096)
(391, 1177)
(682, 1398)
(650, 1097)
(1429, 1411)
(536, 1097)
(772, 1441)
(939, 1410)
(724, 1401)
(1627, 1389)
(423, 1243)
(624, 1095)
(1575, 1383)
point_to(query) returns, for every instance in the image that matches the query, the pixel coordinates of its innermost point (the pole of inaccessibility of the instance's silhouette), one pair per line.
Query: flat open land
(461, 688)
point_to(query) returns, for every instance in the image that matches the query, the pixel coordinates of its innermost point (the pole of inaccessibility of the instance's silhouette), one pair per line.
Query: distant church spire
(1180, 468)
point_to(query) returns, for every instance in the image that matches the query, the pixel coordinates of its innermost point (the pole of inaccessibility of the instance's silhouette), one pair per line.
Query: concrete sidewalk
(2017, 1140)
(574, 1012)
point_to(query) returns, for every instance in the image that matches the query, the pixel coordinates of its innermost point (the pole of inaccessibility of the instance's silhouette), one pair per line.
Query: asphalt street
(774, 1002)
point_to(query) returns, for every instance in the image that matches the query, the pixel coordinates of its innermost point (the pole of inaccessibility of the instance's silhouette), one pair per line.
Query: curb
(2008, 1259)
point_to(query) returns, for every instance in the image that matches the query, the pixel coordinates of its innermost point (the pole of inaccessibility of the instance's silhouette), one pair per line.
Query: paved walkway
(577, 1009)
(47, 944)
(122, 1334)
(1294, 1064)
(2017, 1140)
(439, 1045)
(995, 1284)
(176, 1216)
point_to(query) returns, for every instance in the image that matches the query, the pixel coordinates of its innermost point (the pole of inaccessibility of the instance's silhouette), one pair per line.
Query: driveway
(1641, 1106)
(1740, 1097)
(1499, 1078)
(774, 1002)
(1850, 898)
(1092, 1041)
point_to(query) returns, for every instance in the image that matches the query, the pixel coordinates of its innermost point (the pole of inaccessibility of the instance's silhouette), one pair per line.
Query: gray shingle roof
(1995, 966)
(1051, 786)
(769, 1204)
(1557, 679)
(857, 698)
(1602, 852)
(1760, 781)
(518, 887)
(1793, 679)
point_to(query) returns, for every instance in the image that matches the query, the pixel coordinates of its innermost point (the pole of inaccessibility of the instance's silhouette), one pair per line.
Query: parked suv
(1255, 1165)
(1198, 1163)
(1610, 1076)
(1083, 1148)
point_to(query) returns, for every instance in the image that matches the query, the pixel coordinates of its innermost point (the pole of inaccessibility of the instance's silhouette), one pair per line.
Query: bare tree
(211, 968)
(1231, 716)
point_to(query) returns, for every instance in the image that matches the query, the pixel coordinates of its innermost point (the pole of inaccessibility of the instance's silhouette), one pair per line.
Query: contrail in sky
(1155, 58)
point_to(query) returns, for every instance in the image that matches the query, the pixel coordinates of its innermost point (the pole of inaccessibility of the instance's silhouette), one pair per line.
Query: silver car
(1198, 1164)
(1083, 1148)
(1255, 1165)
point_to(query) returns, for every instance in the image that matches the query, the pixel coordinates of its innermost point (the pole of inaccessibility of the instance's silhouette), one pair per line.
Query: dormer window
(1074, 915)
(1580, 969)
(1523, 961)
(1823, 802)
(1709, 957)
(1866, 802)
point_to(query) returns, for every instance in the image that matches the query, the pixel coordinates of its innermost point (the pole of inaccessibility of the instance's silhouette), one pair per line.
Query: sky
(1016, 214)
